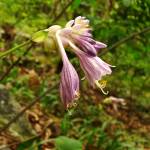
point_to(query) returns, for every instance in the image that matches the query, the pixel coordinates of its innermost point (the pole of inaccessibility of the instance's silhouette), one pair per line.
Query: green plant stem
(14, 64)
(125, 39)
(14, 49)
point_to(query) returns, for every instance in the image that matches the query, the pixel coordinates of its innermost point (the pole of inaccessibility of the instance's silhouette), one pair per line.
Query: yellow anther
(103, 83)
(77, 95)
(101, 87)
(83, 78)
(74, 104)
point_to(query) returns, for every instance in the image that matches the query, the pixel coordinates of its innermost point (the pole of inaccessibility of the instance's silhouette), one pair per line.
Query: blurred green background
(124, 26)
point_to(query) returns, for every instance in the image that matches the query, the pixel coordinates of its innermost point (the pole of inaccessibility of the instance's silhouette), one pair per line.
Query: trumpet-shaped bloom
(93, 67)
(77, 35)
(79, 32)
(69, 84)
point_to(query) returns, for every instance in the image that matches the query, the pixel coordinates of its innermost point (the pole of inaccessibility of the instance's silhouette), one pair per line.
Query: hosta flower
(79, 32)
(77, 36)
(69, 84)
(93, 67)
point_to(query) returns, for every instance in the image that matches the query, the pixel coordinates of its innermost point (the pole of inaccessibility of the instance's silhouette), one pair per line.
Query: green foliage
(61, 142)
(27, 144)
(65, 143)
(111, 20)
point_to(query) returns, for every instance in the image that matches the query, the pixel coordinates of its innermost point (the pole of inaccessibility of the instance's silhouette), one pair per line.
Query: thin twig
(15, 63)
(14, 49)
(26, 108)
(123, 40)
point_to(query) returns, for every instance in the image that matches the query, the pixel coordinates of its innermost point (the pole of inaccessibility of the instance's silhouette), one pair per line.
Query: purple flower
(79, 32)
(77, 35)
(69, 84)
(93, 67)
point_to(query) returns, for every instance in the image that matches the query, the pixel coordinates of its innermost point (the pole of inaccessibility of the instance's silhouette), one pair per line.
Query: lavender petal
(69, 84)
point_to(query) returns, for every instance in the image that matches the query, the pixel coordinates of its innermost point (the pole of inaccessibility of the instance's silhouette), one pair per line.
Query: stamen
(71, 106)
(73, 24)
(101, 86)
(69, 112)
(83, 78)
(113, 66)
(106, 93)
(74, 104)
(103, 83)
(77, 95)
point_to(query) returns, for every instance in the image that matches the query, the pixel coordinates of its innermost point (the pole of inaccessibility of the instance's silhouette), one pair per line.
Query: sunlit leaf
(65, 143)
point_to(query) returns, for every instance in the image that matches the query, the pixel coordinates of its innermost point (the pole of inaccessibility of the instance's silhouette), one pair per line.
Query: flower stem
(3, 54)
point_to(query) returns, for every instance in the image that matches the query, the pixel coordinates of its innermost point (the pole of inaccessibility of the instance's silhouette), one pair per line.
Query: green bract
(40, 36)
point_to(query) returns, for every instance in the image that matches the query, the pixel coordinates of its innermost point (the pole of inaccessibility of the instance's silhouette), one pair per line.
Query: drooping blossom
(77, 36)
(69, 84)
(93, 67)
(79, 32)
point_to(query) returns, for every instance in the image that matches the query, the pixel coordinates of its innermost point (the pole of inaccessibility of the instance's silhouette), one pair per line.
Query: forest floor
(48, 126)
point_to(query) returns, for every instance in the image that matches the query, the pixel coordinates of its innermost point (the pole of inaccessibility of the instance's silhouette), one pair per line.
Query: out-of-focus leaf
(27, 145)
(76, 4)
(127, 2)
(65, 143)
